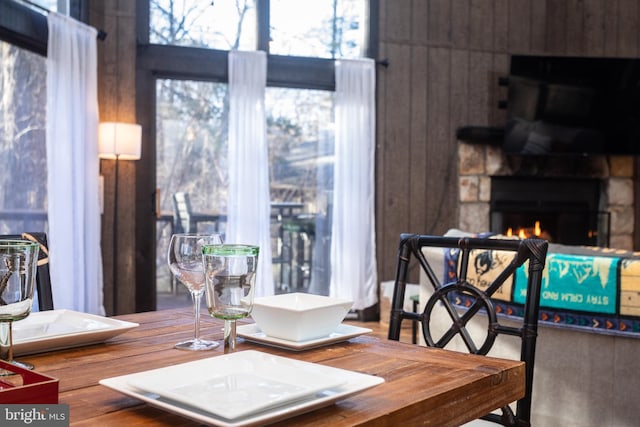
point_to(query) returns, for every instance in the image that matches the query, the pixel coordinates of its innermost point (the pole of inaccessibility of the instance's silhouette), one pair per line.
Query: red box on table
(34, 388)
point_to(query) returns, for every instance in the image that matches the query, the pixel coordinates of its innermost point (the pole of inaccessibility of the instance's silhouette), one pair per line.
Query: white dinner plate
(253, 408)
(238, 384)
(343, 332)
(58, 329)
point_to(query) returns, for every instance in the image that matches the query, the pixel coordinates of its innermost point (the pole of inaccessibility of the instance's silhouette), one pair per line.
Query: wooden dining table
(423, 386)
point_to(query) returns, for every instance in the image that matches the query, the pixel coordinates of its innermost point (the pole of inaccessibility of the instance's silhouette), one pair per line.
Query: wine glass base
(23, 365)
(197, 345)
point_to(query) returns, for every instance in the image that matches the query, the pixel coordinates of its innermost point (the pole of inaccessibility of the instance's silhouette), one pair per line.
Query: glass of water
(230, 277)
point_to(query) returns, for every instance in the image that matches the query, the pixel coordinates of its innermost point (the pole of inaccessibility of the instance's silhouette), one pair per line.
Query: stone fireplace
(607, 216)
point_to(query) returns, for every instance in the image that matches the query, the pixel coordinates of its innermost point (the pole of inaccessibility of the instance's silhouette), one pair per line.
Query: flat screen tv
(570, 105)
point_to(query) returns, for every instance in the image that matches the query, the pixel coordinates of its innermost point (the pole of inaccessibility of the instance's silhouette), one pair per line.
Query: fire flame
(523, 233)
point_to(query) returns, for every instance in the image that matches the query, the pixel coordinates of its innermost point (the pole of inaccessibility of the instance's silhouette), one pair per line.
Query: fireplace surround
(481, 164)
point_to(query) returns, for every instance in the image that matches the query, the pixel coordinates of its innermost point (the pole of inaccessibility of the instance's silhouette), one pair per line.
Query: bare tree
(22, 130)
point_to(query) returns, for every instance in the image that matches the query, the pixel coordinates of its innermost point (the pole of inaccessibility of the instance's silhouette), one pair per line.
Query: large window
(191, 134)
(191, 137)
(302, 38)
(23, 181)
(226, 24)
(23, 160)
(190, 159)
(318, 28)
(301, 154)
(307, 28)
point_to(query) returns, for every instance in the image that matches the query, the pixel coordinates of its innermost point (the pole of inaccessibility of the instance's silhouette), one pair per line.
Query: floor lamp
(118, 141)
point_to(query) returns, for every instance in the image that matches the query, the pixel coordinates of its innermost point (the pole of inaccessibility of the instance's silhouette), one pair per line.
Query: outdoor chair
(476, 270)
(186, 220)
(182, 208)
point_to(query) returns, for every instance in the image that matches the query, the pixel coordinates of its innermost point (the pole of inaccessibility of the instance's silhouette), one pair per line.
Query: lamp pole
(115, 237)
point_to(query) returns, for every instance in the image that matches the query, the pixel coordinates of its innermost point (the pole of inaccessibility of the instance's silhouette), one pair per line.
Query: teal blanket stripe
(580, 283)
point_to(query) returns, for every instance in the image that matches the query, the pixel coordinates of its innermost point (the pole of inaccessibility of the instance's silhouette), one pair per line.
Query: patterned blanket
(591, 289)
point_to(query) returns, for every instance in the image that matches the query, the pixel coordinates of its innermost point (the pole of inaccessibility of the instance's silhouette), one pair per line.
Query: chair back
(43, 279)
(182, 208)
(476, 270)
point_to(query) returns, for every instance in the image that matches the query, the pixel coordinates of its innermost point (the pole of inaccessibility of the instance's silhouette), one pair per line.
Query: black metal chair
(470, 260)
(43, 279)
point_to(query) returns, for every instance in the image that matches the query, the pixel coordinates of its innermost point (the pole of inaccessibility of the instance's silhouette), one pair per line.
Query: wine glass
(230, 276)
(185, 262)
(18, 264)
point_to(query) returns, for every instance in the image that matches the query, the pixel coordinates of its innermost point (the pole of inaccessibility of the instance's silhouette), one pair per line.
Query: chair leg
(414, 325)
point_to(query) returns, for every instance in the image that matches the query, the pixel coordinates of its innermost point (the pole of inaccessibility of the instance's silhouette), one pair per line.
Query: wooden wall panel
(460, 64)
(575, 27)
(501, 25)
(397, 20)
(594, 27)
(480, 84)
(481, 24)
(610, 28)
(438, 21)
(519, 30)
(396, 153)
(439, 96)
(460, 24)
(421, 98)
(420, 24)
(556, 19)
(459, 107)
(538, 26)
(628, 28)
(440, 171)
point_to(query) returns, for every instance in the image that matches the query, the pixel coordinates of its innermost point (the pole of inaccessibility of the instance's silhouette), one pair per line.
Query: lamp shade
(119, 140)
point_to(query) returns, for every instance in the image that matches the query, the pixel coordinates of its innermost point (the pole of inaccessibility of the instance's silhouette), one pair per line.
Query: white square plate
(343, 332)
(238, 384)
(58, 329)
(250, 408)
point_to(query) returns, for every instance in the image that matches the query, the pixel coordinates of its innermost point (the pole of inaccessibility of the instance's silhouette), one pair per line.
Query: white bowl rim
(330, 302)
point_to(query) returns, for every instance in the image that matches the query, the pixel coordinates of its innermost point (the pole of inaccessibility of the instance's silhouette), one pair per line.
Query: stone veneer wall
(477, 163)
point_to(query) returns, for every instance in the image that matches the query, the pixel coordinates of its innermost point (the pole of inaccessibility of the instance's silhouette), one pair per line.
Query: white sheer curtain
(353, 248)
(248, 207)
(72, 165)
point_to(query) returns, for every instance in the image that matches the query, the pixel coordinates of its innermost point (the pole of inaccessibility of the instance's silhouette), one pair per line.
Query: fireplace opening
(561, 210)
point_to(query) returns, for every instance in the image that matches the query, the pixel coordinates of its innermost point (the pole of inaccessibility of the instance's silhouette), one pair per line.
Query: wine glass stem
(229, 336)
(196, 297)
(6, 349)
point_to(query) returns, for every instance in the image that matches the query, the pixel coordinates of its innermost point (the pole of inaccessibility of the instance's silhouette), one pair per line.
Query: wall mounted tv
(571, 105)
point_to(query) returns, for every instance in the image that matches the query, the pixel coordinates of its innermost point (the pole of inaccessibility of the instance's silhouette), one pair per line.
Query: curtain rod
(101, 33)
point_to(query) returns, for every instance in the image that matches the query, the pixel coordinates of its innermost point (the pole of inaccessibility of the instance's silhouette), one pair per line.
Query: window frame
(27, 28)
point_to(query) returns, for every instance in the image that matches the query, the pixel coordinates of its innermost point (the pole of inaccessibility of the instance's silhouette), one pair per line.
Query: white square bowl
(299, 316)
